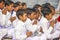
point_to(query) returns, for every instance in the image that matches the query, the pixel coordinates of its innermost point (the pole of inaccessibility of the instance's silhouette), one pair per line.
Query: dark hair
(30, 11)
(2, 1)
(8, 3)
(15, 5)
(37, 5)
(46, 11)
(20, 12)
(46, 5)
(18, 2)
(23, 4)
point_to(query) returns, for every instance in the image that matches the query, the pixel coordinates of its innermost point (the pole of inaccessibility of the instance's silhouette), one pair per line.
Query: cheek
(51, 17)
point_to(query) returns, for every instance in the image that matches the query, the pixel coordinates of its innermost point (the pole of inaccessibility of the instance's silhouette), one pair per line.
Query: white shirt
(20, 30)
(44, 23)
(30, 26)
(8, 22)
(14, 14)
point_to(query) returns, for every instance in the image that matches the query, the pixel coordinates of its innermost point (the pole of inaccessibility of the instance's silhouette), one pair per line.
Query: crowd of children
(23, 23)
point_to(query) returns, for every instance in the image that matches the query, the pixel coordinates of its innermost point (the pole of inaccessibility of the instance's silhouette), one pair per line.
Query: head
(2, 4)
(24, 6)
(16, 6)
(31, 13)
(47, 13)
(20, 5)
(9, 5)
(37, 6)
(38, 14)
(21, 15)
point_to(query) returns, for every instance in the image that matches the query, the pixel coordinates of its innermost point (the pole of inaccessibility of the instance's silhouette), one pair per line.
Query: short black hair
(20, 12)
(46, 11)
(15, 5)
(46, 5)
(2, 1)
(37, 5)
(30, 11)
(8, 2)
(23, 4)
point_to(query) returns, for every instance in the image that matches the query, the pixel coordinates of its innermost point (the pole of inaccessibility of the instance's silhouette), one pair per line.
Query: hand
(4, 11)
(41, 30)
(29, 34)
(52, 23)
(12, 19)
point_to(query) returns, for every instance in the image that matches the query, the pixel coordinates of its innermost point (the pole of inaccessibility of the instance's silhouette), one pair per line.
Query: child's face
(10, 7)
(16, 8)
(38, 15)
(2, 5)
(33, 15)
(49, 17)
(24, 17)
(25, 6)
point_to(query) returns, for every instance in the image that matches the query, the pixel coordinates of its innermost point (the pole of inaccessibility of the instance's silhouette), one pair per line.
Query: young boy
(45, 23)
(31, 25)
(30, 20)
(21, 32)
(16, 7)
(9, 8)
(8, 17)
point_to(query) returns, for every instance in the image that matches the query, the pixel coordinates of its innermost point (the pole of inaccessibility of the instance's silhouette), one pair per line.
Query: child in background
(7, 12)
(46, 25)
(37, 6)
(2, 3)
(24, 6)
(20, 5)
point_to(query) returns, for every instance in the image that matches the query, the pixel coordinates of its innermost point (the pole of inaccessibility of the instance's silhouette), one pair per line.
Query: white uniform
(33, 29)
(30, 26)
(44, 23)
(20, 30)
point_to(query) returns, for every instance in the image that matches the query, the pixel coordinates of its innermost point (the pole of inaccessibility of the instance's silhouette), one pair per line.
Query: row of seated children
(24, 23)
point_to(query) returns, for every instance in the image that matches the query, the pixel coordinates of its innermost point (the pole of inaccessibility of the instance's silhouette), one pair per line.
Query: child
(24, 6)
(20, 29)
(7, 17)
(45, 23)
(30, 20)
(20, 5)
(31, 25)
(1, 8)
(16, 7)
(9, 8)
(37, 6)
